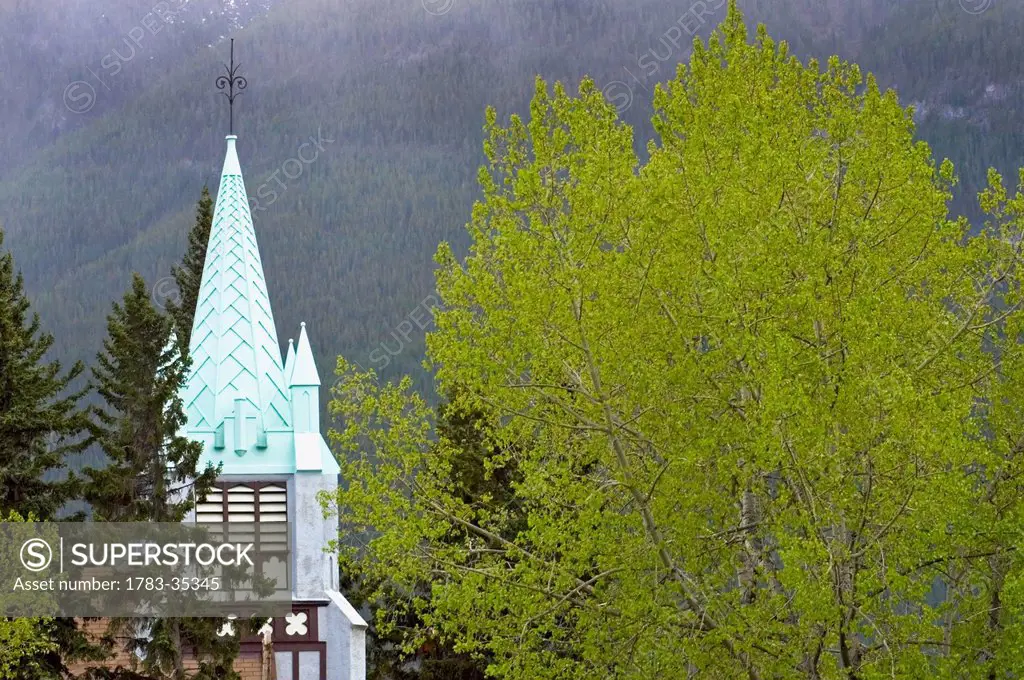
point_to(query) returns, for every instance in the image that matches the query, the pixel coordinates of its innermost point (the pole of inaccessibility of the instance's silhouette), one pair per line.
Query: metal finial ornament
(234, 85)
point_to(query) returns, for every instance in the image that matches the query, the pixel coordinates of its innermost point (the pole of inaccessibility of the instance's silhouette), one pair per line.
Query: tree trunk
(267, 666)
(179, 664)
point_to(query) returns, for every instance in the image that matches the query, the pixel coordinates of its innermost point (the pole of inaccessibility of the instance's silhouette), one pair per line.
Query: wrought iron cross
(231, 81)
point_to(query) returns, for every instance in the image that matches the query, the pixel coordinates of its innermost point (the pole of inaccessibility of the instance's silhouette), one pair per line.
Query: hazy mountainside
(965, 75)
(397, 95)
(64, 63)
(392, 95)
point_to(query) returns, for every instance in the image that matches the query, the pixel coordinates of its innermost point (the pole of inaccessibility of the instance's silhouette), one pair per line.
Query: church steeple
(236, 374)
(258, 418)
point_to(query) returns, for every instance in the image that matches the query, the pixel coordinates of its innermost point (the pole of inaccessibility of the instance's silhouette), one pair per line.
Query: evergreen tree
(40, 426)
(152, 473)
(189, 274)
(67, 643)
(40, 421)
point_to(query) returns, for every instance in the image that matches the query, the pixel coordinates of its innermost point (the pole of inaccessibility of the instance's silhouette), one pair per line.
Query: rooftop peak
(231, 164)
(289, 361)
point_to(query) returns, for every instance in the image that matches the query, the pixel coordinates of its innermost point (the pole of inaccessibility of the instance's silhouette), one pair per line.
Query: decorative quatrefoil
(296, 623)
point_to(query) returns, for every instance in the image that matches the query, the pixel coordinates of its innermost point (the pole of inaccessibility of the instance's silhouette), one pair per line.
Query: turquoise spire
(236, 387)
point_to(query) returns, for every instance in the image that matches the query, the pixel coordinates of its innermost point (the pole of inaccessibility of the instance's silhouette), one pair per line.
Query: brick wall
(247, 664)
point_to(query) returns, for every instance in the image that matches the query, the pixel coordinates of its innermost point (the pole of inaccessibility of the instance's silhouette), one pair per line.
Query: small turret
(304, 385)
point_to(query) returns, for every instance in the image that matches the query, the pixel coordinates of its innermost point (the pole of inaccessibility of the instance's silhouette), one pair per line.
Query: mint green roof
(234, 341)
(237, 399)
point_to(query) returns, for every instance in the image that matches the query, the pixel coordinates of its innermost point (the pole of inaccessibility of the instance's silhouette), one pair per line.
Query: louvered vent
(273, 526)
(273, 504)
(211, 509)
(256, 513)
(241, 504)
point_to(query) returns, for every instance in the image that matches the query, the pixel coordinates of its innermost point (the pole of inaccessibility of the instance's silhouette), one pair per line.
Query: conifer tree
(153, 472)
(189, 274)
(198, 634)
(152, 475)
(40, 421)
(41, 425)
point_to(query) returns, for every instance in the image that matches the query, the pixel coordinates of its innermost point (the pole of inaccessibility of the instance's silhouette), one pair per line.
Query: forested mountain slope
(393, 91)
(65, 63)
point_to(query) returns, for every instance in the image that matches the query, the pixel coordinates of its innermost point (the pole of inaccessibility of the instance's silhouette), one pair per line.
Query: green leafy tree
(24, 642)
(189, 274)
(153, 474)
(36, 647)
(40, 648)
(762, 396)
